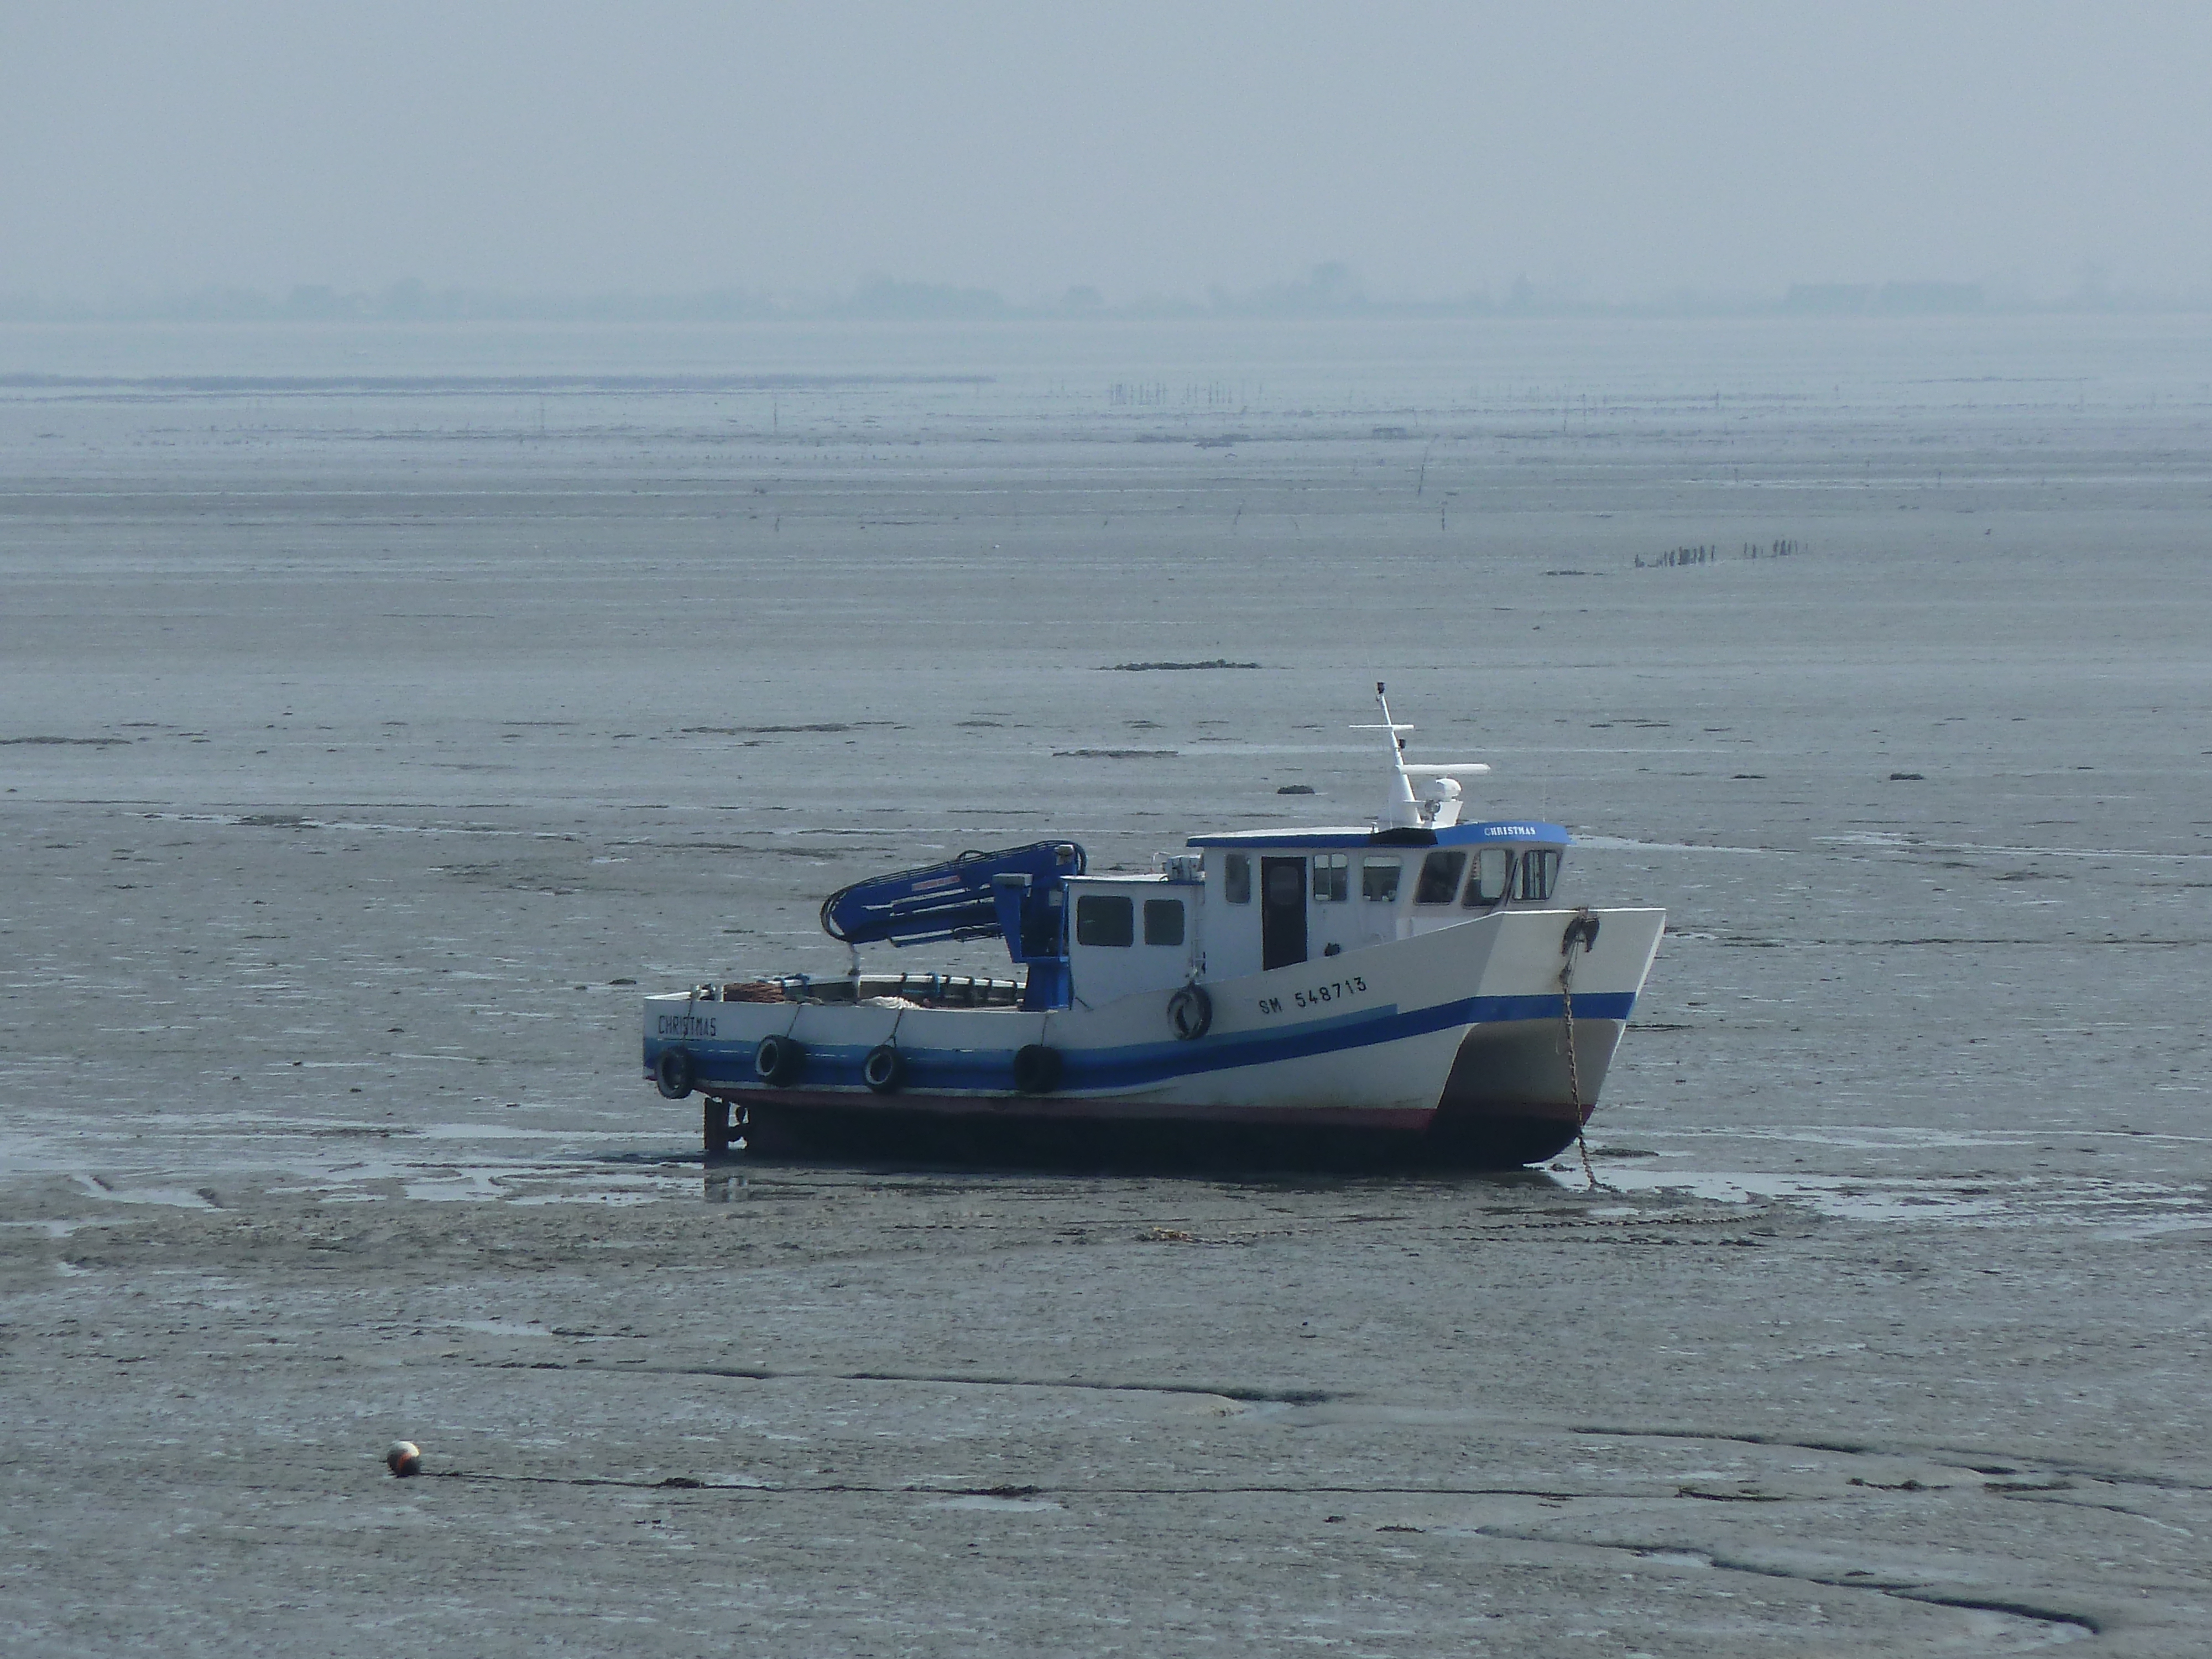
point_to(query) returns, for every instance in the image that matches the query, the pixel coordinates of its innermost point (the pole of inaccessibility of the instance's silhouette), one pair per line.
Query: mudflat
(373, 738)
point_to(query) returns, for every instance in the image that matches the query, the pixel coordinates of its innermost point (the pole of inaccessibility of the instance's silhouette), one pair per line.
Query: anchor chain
(1578, 936)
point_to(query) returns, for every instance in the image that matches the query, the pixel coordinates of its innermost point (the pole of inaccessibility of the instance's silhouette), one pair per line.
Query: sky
(1607, 150)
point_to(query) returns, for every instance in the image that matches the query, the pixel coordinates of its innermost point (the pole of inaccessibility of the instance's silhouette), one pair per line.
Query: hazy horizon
(1330, 292)
(1603, 155)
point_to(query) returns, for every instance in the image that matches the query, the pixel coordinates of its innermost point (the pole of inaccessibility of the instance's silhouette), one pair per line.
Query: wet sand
(361, 747)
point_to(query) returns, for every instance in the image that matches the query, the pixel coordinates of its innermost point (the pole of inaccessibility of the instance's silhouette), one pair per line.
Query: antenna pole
(1403, 809)
(1397, 743)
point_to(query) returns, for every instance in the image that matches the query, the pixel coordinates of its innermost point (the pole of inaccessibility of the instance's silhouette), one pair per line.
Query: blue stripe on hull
(838, 1065)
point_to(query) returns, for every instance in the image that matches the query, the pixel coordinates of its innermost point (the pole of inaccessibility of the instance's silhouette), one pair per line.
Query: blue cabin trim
(1527, 831)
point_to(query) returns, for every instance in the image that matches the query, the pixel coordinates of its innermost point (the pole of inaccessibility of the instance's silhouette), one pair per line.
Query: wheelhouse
(1252, 901)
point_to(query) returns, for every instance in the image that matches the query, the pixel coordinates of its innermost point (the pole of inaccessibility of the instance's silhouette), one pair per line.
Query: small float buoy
(405, 1458)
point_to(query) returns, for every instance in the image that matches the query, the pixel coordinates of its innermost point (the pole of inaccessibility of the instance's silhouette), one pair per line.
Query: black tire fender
(779, 1061)
(673, 1073)
(883, 1070)
(1036, 1069)
(1190, 1012)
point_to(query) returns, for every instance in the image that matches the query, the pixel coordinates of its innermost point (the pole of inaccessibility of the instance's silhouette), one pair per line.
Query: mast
(1437, 803)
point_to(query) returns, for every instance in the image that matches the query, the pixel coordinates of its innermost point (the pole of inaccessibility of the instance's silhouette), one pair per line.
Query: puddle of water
(61, 1229)
(474, 1184)
(1622, 844)
(1891, 840)
(589, 1197)
(179, 1197)
(2125, 1208)
(348, 826)
(1877, 1137)
(506, 1132)
(519, 1183)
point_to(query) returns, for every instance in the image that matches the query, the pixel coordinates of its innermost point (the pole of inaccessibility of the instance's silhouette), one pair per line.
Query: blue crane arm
(957, 899)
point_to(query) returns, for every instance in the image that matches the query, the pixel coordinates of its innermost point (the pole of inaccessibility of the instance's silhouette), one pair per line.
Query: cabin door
(1282, 912)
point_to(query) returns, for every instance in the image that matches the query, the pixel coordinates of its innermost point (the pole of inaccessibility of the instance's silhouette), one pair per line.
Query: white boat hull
(1457, 1035)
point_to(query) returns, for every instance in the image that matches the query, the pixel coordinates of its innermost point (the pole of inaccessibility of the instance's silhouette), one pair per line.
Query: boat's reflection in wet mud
(746, 1178)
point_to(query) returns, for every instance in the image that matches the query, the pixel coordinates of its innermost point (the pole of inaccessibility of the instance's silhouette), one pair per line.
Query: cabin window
(1492, 878)
(1103, 921)
(1163, 921)
(1286, 885)
(1237, 879)
(1378, 879)
(1439, 883)
(1539, 872)
(1332, 878)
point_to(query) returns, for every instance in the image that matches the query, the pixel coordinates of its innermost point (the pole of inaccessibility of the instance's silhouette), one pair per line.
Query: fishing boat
(1416, 984)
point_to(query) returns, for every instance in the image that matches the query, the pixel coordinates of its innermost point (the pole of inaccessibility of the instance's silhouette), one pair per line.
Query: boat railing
(915, 990)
